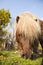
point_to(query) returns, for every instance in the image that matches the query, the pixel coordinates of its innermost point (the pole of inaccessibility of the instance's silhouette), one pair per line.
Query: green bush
(11, 58)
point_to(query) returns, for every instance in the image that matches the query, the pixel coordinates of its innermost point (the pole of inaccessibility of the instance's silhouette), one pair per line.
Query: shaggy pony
(28, 33)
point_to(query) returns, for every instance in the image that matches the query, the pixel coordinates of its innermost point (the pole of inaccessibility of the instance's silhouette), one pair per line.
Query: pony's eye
(19, 35)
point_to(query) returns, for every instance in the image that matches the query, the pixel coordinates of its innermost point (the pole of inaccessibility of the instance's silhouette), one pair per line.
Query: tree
(4, 20)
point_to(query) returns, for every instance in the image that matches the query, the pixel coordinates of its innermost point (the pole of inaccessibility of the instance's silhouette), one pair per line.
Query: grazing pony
(28, 33)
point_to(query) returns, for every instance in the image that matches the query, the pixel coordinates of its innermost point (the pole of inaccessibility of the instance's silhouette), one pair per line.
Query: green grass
(11, 58)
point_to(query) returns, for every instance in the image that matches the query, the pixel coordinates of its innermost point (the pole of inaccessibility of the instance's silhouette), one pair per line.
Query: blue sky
(18, 6)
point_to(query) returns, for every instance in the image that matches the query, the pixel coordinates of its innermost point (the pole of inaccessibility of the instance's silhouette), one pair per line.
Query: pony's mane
(28, 26)
(29, 14)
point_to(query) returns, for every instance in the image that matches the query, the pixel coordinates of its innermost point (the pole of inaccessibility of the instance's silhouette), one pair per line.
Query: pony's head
(27, 30)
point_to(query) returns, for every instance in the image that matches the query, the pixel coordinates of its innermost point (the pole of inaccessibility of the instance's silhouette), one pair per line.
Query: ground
(13, 58)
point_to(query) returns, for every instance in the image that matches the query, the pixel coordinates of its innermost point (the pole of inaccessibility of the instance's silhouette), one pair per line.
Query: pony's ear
(36, 20)
(17, 19)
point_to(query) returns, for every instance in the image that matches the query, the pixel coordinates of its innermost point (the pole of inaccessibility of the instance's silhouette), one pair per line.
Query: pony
(28, 33)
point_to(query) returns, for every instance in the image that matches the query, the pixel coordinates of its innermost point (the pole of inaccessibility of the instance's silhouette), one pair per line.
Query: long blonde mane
(28, 26)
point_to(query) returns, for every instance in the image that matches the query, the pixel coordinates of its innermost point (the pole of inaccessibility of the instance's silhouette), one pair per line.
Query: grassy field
(12, 58)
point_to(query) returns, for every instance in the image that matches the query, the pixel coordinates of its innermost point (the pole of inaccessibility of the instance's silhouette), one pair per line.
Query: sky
(18, 6)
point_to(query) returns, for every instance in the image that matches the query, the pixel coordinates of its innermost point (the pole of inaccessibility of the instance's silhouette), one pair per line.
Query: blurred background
(9, 9)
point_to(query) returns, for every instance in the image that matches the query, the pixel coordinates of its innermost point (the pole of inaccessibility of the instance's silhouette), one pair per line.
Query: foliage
(11, 58)
(4, 20)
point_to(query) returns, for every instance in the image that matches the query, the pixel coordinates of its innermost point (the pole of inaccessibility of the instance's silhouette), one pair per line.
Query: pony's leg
(35, 46)
(35, 53)
(41, 42)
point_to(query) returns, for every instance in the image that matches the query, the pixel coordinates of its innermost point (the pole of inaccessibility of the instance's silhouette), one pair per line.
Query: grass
(11, 58)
